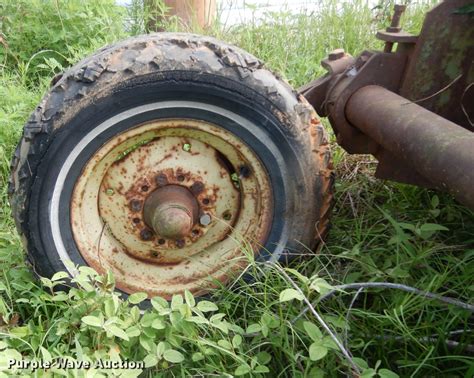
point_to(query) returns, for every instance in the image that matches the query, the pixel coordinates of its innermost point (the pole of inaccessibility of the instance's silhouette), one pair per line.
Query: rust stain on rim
(228, 185)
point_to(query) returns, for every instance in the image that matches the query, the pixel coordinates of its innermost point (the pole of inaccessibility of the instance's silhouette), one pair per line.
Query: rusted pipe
(439, 150)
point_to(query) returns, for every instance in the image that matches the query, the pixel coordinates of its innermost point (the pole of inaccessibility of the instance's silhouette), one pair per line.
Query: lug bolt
(197, 187)
(205, 220)
(135, 205)
(146, 234)
(161, 180)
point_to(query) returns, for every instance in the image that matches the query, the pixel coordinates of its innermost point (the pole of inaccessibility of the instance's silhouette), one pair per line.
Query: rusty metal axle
(442, 152)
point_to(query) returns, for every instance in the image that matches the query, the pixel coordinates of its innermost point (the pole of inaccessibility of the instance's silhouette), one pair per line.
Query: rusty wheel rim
(168, 206)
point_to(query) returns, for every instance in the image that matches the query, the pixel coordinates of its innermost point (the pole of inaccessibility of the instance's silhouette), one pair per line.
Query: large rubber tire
(172, 67)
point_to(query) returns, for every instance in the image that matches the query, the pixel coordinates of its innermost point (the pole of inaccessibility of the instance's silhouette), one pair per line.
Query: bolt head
(336, 54)
(146, 234)
(161, 179)
(205, 220)
(135, 205)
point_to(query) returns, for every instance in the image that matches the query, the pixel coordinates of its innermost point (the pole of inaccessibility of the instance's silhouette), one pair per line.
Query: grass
(382, 231)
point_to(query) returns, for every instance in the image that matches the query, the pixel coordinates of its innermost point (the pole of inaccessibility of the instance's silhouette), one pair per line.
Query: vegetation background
(382, 232)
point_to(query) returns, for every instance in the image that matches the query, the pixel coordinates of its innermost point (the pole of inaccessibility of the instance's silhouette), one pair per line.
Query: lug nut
(146, 234)
(205, 220)
(161, 180)
(197, 187)
(180, 243)
(135, 205)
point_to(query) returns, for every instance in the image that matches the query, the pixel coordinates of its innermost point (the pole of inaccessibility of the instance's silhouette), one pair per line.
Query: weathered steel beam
(440, 150)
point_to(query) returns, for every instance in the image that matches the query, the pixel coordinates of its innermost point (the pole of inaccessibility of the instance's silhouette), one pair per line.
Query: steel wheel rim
(250, 208)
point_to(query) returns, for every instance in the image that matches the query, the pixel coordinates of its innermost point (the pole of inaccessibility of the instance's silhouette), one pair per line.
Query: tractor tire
(166, 158)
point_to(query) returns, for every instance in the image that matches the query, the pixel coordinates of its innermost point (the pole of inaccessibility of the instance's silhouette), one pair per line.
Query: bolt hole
(145, 188)
(244, 171)
(180, 178)
(161, 241)
(206, 201)
(109, 192)
(136, 220)
(195, 232)
(227, 215)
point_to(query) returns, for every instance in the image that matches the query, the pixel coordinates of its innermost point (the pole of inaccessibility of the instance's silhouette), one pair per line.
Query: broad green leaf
(158, 324)
(385, 373)
(320, 285)
(290, 294)
(150, 360)
(237, 341)
(360, 362)
(197, 320)
(160, 349)
(317, 351)
(313, 331)
(45, 354)
(116, 331)
(197, 357)
(176, 302)
(188, 296)
(59, 276)
(92, 321)
(173, 356)
(109, 307)
(242, 370)
(137, 298)
(368, 373)
(159, 303)
(254, 328)
(263, 357)
(206, 306)
(225, 344)
(133, 331)
(260, 369)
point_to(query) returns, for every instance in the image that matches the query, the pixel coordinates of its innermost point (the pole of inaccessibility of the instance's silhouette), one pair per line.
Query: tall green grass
(382, 231)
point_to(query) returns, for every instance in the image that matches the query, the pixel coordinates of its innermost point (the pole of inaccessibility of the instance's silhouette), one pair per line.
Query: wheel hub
(171, 211)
